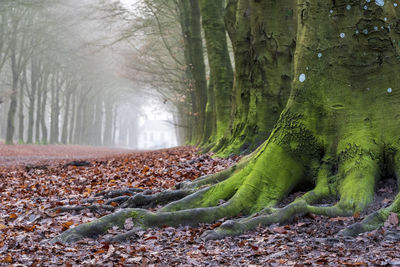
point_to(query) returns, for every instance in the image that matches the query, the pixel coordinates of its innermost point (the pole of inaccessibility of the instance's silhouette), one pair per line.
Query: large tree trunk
(221, 73)
(263, 35)
(195, 67)
(338, 132)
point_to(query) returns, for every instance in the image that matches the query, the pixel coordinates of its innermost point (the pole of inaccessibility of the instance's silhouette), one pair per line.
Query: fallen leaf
(12, 216)
(393, 219)
(67, 225)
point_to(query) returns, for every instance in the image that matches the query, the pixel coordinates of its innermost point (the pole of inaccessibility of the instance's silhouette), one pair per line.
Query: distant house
(155, 134)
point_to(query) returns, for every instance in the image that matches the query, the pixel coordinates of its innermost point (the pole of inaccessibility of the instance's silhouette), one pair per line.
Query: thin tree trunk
(108, 125)
(64, 134)
(13, 103)
(32, 100)
(21, 117)
(97, 122)
(73, 118)
(43, 115)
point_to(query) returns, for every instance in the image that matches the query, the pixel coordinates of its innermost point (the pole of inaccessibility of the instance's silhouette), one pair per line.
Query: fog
(85, 72)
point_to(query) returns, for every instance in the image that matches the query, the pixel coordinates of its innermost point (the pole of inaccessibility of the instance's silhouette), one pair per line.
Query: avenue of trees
(313, 95)
(56, 86)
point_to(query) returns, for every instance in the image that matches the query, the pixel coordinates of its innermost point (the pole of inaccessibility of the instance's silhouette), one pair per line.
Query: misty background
(91, 72)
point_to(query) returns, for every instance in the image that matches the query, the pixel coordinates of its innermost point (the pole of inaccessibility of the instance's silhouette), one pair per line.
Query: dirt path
(14, 155)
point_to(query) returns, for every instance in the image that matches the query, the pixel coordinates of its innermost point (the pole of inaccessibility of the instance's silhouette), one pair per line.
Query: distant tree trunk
(13, 99)
(37, 122)
(72, 122)
(83, 124)
(108, 124)
(32, 100)
(133, 131)
(98, 118)
(21, 109)
(52, 108)
(194, 59)
(115, 116)
(88, 123)
(41, 90)
(57, 114)
(43, 116)
(79, 119)
(64, 134)
(221, 74)
(55, 110)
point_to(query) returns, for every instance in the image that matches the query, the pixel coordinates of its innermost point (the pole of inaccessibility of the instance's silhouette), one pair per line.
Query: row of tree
(335, 64)
(185, 53)
(53, 86)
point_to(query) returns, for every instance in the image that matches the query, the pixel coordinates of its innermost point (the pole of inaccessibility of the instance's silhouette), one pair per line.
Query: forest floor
(30, 185)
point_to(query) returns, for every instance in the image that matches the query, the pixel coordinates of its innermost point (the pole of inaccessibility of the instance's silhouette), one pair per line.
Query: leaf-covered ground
(28, 192)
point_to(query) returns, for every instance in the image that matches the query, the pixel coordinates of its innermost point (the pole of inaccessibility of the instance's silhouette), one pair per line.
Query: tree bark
(195, 67)
(263, 35)
(221, 73)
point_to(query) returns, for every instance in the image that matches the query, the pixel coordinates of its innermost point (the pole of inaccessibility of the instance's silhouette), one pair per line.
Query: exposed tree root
(253, 188)
(117, 193)
(256, 187)
(80, 208)
(372, 221)
(151, 201)
(217, 177)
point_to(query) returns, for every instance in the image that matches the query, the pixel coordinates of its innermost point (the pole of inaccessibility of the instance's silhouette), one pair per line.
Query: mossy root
(270, 216)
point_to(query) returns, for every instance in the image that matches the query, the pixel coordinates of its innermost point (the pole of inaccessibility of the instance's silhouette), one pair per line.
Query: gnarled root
(255, 189)
(356, 191)
(247, 191)
(140, 198)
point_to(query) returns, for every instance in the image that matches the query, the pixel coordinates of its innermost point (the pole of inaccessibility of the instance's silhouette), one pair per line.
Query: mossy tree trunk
(195, 67)
(221, 73)
(338, 132)
(263, 35)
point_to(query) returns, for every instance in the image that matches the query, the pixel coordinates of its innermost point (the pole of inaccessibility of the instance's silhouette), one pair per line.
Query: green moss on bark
(263, 35)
